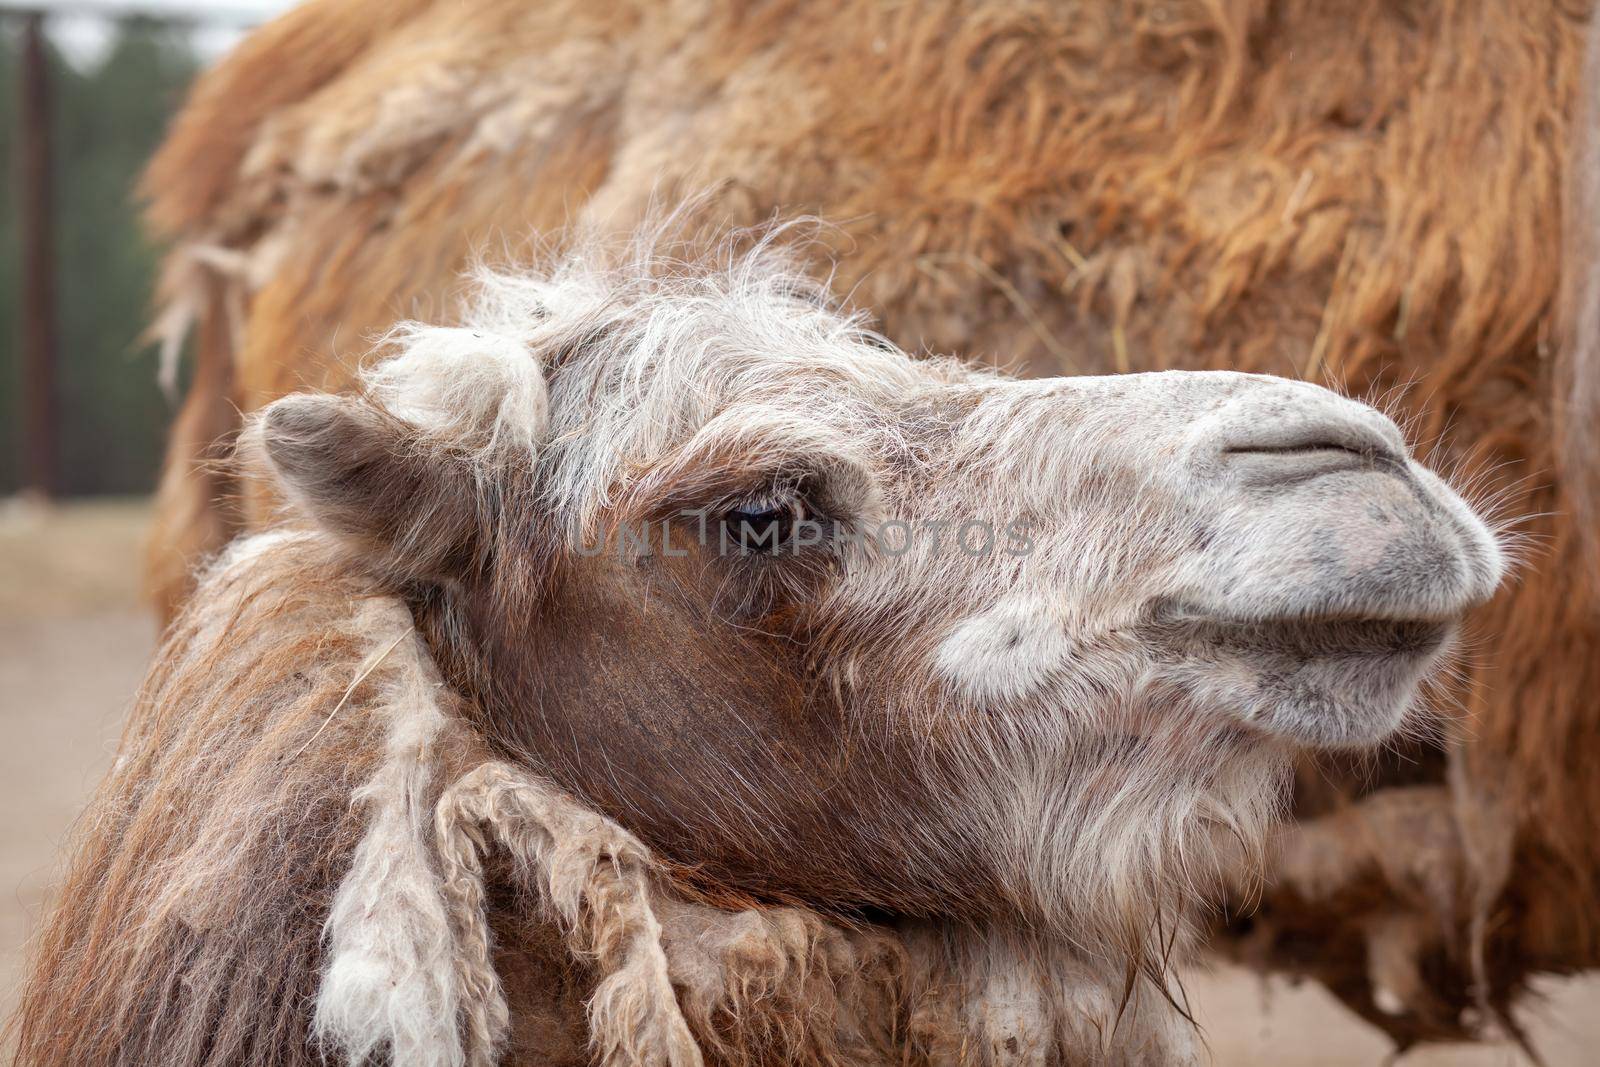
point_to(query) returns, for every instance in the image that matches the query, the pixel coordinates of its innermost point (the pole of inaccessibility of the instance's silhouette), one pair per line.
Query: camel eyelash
(774, 522)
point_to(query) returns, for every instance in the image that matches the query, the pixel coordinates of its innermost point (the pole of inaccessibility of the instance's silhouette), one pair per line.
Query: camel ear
(412, 511)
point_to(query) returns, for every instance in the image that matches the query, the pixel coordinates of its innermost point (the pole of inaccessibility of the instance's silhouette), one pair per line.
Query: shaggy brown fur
(254, 779)
(272, 702)
(1356, 191)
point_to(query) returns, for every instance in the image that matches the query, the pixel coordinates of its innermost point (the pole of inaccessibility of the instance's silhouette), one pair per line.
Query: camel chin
(1318, 682)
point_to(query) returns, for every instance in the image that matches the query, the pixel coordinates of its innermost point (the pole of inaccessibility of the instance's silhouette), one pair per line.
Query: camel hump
(197, 168)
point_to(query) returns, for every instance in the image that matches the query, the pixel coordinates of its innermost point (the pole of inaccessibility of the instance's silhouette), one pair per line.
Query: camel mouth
(1324, 637)
(1330, 681)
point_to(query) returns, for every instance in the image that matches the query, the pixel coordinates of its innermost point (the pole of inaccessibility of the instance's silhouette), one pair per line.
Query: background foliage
(107, 121)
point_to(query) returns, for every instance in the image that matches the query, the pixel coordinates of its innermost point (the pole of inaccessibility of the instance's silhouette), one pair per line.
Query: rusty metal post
(36, 222)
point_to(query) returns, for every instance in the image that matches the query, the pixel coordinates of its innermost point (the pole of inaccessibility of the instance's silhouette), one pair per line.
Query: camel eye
(763, 526)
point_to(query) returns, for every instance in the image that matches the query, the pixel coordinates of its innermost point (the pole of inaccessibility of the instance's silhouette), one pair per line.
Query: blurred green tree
(107, 122)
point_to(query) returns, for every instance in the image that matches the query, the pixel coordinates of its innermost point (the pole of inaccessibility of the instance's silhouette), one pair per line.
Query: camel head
(822, 621)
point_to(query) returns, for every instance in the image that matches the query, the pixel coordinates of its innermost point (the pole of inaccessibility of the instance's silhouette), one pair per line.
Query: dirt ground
(74, 640)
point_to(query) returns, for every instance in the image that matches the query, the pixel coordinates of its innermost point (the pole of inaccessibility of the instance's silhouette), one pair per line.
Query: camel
(656, 664)
(1370, 196)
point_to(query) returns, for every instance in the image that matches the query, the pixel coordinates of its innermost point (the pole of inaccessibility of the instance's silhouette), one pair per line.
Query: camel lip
(1340, 681)
(1347, 638)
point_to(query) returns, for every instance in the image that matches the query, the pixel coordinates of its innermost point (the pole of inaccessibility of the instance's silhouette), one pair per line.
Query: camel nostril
(1281, 459)
(1314, 436)
(1308, 448)
(1285, 429)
